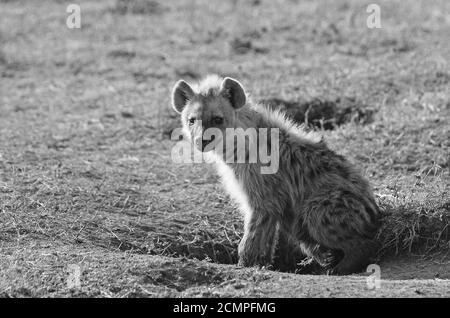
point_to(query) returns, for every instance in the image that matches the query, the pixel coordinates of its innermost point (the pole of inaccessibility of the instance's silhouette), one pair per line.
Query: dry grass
(415, 222)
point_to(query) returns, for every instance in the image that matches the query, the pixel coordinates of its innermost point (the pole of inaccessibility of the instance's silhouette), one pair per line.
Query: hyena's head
(208, 108)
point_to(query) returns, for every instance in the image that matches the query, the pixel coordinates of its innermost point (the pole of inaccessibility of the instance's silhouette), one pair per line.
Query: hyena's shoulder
(278, 119)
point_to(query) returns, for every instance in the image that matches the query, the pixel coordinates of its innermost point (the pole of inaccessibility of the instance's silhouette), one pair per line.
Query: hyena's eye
(217, 120)
(191, 121)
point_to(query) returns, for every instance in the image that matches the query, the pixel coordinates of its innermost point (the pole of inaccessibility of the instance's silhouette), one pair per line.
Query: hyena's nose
(201, 143)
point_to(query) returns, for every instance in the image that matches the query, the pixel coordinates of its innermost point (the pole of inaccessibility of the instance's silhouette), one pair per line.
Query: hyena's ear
(234, 91)
(181, 94)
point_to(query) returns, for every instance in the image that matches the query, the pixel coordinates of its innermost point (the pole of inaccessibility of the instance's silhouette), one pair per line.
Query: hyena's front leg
(258, 243)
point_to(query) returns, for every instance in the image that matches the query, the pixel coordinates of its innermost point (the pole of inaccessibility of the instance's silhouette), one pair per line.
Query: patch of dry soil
(44, 272)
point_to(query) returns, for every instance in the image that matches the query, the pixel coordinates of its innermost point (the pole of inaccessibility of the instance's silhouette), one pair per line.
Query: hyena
(316, 203)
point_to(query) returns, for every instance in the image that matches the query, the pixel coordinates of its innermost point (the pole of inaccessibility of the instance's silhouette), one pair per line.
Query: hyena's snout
(204, 143)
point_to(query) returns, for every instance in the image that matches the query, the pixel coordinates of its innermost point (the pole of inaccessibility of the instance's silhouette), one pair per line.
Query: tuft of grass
(417, 221)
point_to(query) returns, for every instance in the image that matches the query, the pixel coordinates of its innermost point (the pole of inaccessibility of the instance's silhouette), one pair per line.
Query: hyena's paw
(242, 263)
(262, 261)
(249, 256)
(308, 266)
(326, 259)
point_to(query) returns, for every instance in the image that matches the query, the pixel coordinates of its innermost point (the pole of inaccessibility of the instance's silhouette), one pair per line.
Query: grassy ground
(86, 175)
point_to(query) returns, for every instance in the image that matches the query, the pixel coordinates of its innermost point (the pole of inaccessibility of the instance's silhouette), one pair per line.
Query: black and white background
(91, 203)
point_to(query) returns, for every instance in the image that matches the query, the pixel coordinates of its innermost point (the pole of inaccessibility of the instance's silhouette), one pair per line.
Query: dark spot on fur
(373, 214)
(326, 221)
(339, 207)
(333, 232)
(345, 173)
(344, 225)
(347, 237)
(347, 193)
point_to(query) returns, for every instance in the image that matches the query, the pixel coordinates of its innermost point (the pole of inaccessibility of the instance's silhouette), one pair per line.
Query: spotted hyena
(315, 203)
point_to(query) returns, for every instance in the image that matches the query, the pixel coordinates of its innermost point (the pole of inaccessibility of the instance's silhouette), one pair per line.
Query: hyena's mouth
(206, 145)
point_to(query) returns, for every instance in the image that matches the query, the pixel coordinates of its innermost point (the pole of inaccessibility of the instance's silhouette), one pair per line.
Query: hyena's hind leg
(359, 246)
(347, 223)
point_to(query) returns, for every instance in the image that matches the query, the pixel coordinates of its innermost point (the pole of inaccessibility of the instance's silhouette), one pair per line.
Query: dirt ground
(44, 272)
(87, 183)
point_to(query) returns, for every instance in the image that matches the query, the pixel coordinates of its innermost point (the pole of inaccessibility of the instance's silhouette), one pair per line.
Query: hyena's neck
(252, 143)
(247, 118)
